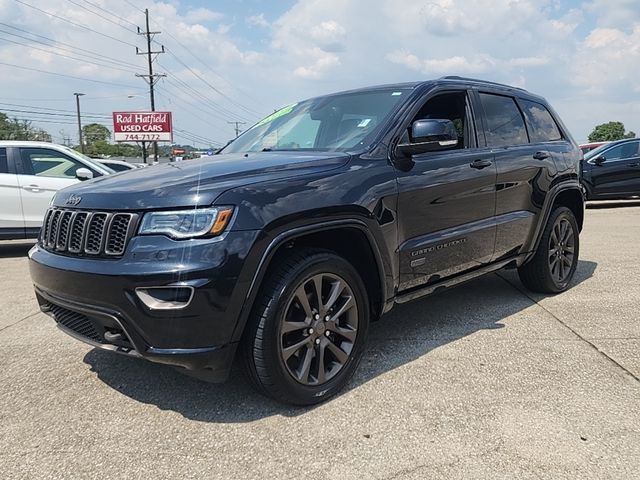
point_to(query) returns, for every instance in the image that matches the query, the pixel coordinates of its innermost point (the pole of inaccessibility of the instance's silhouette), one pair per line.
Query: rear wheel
(553, 265)
(308, 328)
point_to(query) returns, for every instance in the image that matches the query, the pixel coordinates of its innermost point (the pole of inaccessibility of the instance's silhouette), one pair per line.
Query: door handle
(637, 164)
(541, 155)
(480, 164)
(33, 188)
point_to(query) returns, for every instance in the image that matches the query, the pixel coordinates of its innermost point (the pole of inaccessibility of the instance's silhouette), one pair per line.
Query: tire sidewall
(319, 263)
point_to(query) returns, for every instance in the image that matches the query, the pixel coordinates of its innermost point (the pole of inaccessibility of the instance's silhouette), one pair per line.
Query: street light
(78, 95)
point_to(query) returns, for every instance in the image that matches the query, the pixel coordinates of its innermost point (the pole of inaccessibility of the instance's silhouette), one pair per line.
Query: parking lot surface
(485, 380)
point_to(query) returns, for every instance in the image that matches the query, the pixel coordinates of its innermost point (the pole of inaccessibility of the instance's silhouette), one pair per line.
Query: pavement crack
(21, 320)
(572, 330)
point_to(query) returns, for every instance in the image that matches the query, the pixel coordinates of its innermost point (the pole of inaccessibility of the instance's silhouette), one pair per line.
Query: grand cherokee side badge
(73, 200)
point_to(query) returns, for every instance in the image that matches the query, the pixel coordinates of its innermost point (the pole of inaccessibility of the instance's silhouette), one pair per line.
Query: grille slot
(118, 233)
(79, 232)
(63, 231)
(76, 322)
(95, 233)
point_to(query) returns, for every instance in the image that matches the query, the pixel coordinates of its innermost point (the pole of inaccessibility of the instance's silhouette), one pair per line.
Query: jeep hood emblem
(73, 200)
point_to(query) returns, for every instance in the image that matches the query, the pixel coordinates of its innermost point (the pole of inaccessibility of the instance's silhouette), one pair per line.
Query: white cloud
(202, 15)
(257, 21)
(584, 55)
(324, 61)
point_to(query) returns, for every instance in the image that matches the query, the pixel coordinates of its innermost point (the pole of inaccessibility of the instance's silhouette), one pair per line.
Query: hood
(193, 182)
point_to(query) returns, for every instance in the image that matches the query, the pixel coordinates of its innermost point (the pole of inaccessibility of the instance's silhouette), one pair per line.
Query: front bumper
(95, 300)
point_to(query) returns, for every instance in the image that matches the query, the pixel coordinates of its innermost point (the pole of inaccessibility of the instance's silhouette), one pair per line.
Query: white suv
(30, 174)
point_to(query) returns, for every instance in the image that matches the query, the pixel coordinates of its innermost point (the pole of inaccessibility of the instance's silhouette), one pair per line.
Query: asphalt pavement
(485, 380)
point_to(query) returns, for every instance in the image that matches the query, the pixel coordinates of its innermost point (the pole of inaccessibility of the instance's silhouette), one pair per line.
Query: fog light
(165, 298)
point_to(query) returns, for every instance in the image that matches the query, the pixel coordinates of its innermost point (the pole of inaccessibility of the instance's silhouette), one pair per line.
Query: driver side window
(451, 106)
(43, 162)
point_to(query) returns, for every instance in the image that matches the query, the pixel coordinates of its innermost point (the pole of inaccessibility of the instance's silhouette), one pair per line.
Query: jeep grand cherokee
(314, 222)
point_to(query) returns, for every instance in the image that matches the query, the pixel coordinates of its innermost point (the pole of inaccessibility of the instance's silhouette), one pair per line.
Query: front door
(44, 172)
(619, 174)
(446, 200)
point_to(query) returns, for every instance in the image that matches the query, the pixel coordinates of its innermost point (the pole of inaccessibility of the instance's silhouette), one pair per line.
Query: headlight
(180, 224)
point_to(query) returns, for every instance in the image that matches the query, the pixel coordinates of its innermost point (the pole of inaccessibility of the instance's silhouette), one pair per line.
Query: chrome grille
(81, 232)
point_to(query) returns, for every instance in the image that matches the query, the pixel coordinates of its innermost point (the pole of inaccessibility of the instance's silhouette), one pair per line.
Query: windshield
(596, 151)
(94, 163)
(338, 122)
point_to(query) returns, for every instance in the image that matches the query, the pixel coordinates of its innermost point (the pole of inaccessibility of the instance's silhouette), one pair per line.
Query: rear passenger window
(505, 125)
(4, 166)
(542, 126)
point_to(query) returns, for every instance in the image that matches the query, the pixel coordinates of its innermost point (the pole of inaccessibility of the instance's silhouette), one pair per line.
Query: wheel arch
(568, 195)
(350, 239)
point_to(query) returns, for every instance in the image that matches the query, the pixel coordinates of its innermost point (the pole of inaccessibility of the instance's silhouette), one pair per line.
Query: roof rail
(456, 77)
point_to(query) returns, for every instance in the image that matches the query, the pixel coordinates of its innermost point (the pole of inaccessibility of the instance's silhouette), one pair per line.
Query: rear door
(524, 170)
(619, 174)
(11, 218)
(43, 172)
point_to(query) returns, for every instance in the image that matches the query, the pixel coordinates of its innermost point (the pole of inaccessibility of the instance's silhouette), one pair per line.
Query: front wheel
(308, 328)
(554, 263)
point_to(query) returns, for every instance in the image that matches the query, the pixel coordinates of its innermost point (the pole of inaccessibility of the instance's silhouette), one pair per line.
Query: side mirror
(84, 174)
(430, 135)
(599, 160)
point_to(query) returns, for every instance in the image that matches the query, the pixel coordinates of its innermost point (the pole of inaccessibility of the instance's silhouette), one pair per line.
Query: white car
(30, 174)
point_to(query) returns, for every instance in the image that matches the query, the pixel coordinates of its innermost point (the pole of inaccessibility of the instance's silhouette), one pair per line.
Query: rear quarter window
(542, 127)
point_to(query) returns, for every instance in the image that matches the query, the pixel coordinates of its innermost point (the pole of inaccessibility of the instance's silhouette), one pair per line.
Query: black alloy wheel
(561, 250)
(551, 268)
(319, 329)
(308, 327)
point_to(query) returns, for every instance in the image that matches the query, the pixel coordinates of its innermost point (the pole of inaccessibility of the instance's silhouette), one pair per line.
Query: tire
(304, 354)
(554, 263)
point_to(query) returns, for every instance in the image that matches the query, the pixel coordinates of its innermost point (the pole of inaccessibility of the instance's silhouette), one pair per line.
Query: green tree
(610, 131)
(14, 129)
(94, 132)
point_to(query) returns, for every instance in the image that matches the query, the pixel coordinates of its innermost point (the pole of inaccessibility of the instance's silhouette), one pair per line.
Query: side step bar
(412, 294)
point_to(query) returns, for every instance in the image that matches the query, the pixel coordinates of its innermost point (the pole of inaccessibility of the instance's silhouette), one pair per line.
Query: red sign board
(142, 127)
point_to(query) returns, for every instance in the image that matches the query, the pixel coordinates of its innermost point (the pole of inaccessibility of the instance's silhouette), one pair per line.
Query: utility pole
(78, 95)
(237, 127)
(151, 78)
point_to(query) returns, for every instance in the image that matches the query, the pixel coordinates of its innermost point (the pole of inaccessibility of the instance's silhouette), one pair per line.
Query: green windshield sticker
(278, 114)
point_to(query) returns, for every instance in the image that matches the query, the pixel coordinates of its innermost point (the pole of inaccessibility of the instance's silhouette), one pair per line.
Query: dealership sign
(142, 127)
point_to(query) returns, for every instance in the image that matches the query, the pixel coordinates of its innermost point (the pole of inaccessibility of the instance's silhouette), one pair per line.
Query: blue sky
(239, 60)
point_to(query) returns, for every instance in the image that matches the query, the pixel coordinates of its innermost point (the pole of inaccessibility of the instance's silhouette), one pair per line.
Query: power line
(74, 23)
(35, 112)
(208, 67)
(68, 76)
(73, 47)
(170, 100)
(101, 16)
(62, 54)
(207, 83)
(110, 13)
(52, 109)
(131, 4)
(204, 98)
